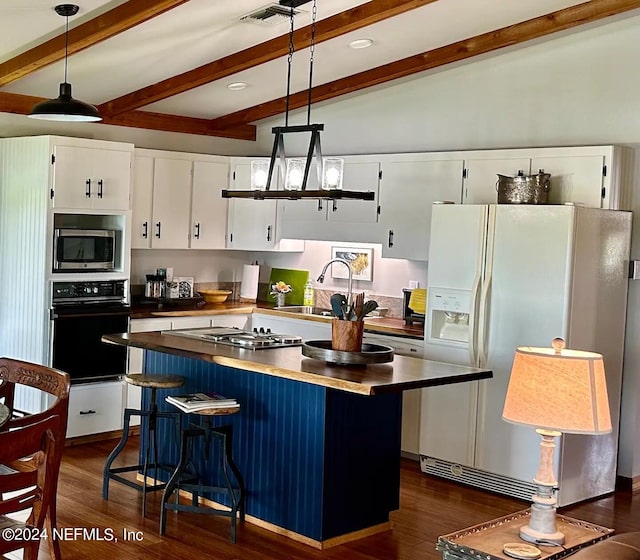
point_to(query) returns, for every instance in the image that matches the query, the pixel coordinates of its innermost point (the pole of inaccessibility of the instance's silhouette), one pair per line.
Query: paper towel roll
(249, 285)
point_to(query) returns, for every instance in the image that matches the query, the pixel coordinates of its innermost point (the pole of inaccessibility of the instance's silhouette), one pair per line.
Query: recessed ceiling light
(236, 86)
(360, 43)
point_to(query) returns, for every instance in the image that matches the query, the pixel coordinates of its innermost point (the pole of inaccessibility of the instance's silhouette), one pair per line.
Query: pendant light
(65, 107)
(294, 172)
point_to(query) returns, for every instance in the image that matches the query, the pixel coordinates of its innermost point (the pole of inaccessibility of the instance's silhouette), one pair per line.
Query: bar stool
(223, 435)
(149, 440)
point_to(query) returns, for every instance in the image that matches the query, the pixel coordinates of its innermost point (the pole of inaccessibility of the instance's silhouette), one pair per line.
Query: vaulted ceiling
(166, 65)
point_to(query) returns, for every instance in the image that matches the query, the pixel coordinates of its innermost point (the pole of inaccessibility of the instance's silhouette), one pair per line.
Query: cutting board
(296, 278)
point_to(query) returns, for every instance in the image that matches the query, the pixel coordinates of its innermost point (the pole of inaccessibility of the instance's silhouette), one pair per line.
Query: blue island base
(318, 462)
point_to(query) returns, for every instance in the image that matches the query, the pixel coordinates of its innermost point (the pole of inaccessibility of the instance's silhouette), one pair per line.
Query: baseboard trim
(628, 484)
(90, 438)
(319, 545)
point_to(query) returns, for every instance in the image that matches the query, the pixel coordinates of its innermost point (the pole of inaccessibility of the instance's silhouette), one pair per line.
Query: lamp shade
(65, 108)
(558, 389)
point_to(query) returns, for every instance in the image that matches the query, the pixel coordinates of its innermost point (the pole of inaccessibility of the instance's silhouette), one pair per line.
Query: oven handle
(94, 313)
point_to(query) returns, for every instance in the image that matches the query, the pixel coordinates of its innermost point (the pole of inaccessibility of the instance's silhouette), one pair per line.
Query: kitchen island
(318, 445)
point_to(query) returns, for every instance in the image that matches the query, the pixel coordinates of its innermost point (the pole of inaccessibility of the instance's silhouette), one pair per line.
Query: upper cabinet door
(358, 176)
(141, 202)
(481, 177)
(407, 193)
(171, 203)
(251, 223)
(208, 208)
(576, 179)
(91, 178)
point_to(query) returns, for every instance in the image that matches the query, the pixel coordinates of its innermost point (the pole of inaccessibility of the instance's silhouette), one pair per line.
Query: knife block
(347, 335)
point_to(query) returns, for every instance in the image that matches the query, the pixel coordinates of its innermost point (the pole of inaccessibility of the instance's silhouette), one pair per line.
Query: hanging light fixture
(294, 172)
(65, 107)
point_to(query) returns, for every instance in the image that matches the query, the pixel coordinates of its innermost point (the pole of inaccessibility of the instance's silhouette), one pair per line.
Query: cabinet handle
(100, 188)
(197, 233)
(88, 190)
(85, 412)
(145, 230)
(335, 206)
(158, 228)
(390, 239)
(268, 233)
(319, 205)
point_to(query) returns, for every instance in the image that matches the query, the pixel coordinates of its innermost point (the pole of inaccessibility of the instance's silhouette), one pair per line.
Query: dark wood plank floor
(429, 507)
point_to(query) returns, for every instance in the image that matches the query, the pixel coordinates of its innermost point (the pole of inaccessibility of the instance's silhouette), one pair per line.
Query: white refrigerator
(502, 276)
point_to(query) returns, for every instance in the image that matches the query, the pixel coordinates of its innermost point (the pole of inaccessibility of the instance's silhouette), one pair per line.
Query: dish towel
(418, 300)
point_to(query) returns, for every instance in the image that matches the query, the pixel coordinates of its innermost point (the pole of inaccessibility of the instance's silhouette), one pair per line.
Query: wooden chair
(27, 481)
(56, 383)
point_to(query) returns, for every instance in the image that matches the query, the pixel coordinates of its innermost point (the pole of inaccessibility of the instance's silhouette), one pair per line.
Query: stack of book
(201, 401)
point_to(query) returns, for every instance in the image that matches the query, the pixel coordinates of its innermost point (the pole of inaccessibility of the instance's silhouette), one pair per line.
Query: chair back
(27, 481)
(56, 383)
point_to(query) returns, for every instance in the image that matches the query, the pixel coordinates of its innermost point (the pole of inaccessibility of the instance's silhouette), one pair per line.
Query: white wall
(389, 275)
(578, 89)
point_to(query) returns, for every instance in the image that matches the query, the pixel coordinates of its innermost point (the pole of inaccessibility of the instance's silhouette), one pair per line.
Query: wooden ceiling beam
(94, 31)
(22, 105)
(535, 28)
(328, 28)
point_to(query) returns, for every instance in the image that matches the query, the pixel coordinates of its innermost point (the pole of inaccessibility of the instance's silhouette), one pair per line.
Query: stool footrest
(200, 509)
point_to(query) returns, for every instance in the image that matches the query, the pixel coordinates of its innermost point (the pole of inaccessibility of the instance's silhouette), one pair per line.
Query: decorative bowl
(215, 296)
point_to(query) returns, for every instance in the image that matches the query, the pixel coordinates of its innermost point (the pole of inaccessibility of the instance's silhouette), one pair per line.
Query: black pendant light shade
(65, 107)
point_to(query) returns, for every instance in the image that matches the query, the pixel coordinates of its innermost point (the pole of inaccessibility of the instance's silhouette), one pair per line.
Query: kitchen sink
(305, 310)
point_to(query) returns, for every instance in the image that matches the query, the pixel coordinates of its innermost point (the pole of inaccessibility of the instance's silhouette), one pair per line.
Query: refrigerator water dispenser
(449, 315)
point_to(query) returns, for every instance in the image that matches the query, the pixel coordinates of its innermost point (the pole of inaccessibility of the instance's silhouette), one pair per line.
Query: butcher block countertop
(401, 374)
(383, 325)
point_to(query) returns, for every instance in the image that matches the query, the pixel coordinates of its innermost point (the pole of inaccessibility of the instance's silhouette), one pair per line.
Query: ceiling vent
(273, 14)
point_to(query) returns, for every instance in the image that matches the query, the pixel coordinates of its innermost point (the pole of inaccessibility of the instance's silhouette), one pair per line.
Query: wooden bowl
(215, 296)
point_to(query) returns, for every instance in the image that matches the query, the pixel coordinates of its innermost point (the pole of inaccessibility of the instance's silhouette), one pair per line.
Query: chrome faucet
(345, 263)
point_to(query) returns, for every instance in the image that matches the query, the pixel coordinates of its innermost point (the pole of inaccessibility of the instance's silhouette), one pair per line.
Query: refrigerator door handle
(483, 329)
(473, 356)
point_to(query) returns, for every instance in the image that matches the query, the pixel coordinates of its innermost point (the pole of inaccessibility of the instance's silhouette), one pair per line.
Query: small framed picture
(185, 286)
(360, 260)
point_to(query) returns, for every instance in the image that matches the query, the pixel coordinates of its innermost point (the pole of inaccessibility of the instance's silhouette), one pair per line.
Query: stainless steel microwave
(90, 250)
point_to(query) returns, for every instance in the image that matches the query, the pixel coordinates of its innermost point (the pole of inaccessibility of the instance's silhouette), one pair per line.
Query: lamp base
(541, 528)
(536, 537)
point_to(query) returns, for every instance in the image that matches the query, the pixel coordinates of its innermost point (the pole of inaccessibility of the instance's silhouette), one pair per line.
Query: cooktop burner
(254, 340)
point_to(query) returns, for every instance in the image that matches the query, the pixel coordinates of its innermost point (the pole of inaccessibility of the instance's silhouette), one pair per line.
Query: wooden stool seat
(154, 381)
(216, 411)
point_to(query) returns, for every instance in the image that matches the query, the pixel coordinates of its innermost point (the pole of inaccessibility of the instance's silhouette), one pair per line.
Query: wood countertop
(401, 374)
(384, 325)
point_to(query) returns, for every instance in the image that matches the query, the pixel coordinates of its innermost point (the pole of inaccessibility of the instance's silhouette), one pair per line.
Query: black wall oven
(82, 313)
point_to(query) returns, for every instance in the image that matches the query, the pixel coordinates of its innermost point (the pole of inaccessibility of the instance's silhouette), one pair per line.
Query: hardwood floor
(429, 507)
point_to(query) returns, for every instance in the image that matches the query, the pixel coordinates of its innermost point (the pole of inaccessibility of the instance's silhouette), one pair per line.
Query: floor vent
(273, 14)
(476, 477)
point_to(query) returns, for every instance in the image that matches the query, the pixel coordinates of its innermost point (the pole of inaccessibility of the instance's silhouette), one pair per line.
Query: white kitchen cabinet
(237, 320)
(337, 220)
(252, 225)
(481, 176)
(589, 175)
(92, 178)
(578, 179)
(194, 322)
(308, 330)
(177, 201)
(95, 408)
(411, 400)
(141, 202)
(208, 208)
(133, 394)
(411, 183)
(171, 203)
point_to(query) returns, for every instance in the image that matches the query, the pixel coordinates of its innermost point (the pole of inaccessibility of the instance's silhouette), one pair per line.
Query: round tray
(370, 354)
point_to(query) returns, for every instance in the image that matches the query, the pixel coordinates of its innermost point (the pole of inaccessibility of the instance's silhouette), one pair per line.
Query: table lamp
(556, 390)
